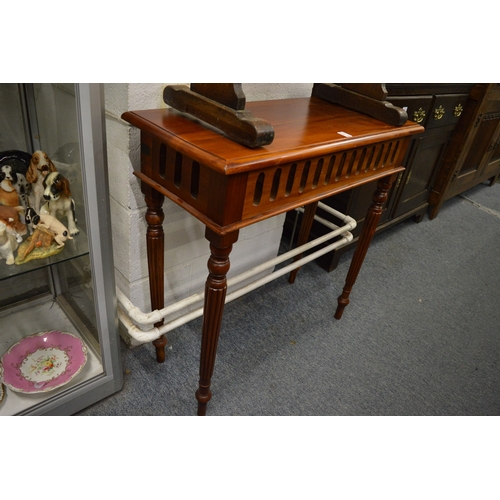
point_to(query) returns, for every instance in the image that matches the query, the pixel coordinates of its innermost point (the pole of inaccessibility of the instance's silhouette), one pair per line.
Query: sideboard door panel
(429, 149)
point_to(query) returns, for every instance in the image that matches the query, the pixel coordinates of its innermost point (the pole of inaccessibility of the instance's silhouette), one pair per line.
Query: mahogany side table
(319, 149)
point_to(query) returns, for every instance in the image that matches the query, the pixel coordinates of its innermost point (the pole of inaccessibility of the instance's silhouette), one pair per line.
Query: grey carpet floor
(421, 335)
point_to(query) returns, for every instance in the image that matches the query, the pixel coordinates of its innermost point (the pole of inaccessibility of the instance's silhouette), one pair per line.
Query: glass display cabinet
(59, 342)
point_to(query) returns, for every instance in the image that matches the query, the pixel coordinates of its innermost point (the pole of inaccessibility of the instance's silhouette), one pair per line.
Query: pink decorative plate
(43, 362)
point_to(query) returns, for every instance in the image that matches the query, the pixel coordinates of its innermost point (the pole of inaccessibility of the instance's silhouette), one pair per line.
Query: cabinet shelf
(37, 316)
(77, 247)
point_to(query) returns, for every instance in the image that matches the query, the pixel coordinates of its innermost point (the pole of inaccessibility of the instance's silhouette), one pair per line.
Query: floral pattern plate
(43, 362)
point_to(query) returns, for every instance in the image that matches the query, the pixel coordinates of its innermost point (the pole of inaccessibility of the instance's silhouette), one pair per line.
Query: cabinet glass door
(58, 328)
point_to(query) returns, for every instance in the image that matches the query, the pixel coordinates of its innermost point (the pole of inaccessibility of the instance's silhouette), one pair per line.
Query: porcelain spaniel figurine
(11, 217)
(8, 194)
(59, 201)
(40, 166)
(8, 244)
(18, 181)
(46, 221)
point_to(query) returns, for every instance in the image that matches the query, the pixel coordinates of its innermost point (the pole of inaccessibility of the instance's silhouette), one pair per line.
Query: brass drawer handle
(438, 113)
(419, 115)
(458, 110)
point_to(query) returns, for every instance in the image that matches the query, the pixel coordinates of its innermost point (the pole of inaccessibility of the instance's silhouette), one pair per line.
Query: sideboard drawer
(417, 107)
(446, 110)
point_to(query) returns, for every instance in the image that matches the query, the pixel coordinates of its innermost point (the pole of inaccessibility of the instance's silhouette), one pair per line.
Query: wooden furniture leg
(215, 295)
(155, 242)
(305, 229)
(371, 221)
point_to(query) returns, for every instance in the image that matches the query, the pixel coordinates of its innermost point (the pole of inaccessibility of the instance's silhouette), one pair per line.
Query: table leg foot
(159, 345)
(343, 302)
(203, 395)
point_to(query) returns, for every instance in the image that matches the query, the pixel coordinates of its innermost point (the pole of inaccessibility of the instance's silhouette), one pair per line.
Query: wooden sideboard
(437, 107)
(473, 155)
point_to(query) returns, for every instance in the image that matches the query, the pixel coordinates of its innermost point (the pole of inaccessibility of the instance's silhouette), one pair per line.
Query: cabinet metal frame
(92, 139)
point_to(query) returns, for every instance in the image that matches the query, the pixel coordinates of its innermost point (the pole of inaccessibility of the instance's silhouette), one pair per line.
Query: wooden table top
(304, 127)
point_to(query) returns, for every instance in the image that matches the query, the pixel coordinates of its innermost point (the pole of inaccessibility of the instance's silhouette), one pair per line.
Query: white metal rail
(140, 325)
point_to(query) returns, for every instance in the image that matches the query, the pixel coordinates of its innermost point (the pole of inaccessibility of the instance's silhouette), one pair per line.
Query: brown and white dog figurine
(57, 193)
(46, 221)
(8, 194)
(8, 244)
(40, 166)
(11, 216)
(18, 181)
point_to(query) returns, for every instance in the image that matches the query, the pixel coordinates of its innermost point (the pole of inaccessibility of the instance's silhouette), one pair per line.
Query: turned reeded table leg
(215, 295)
(371, 221)
(155, 242)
